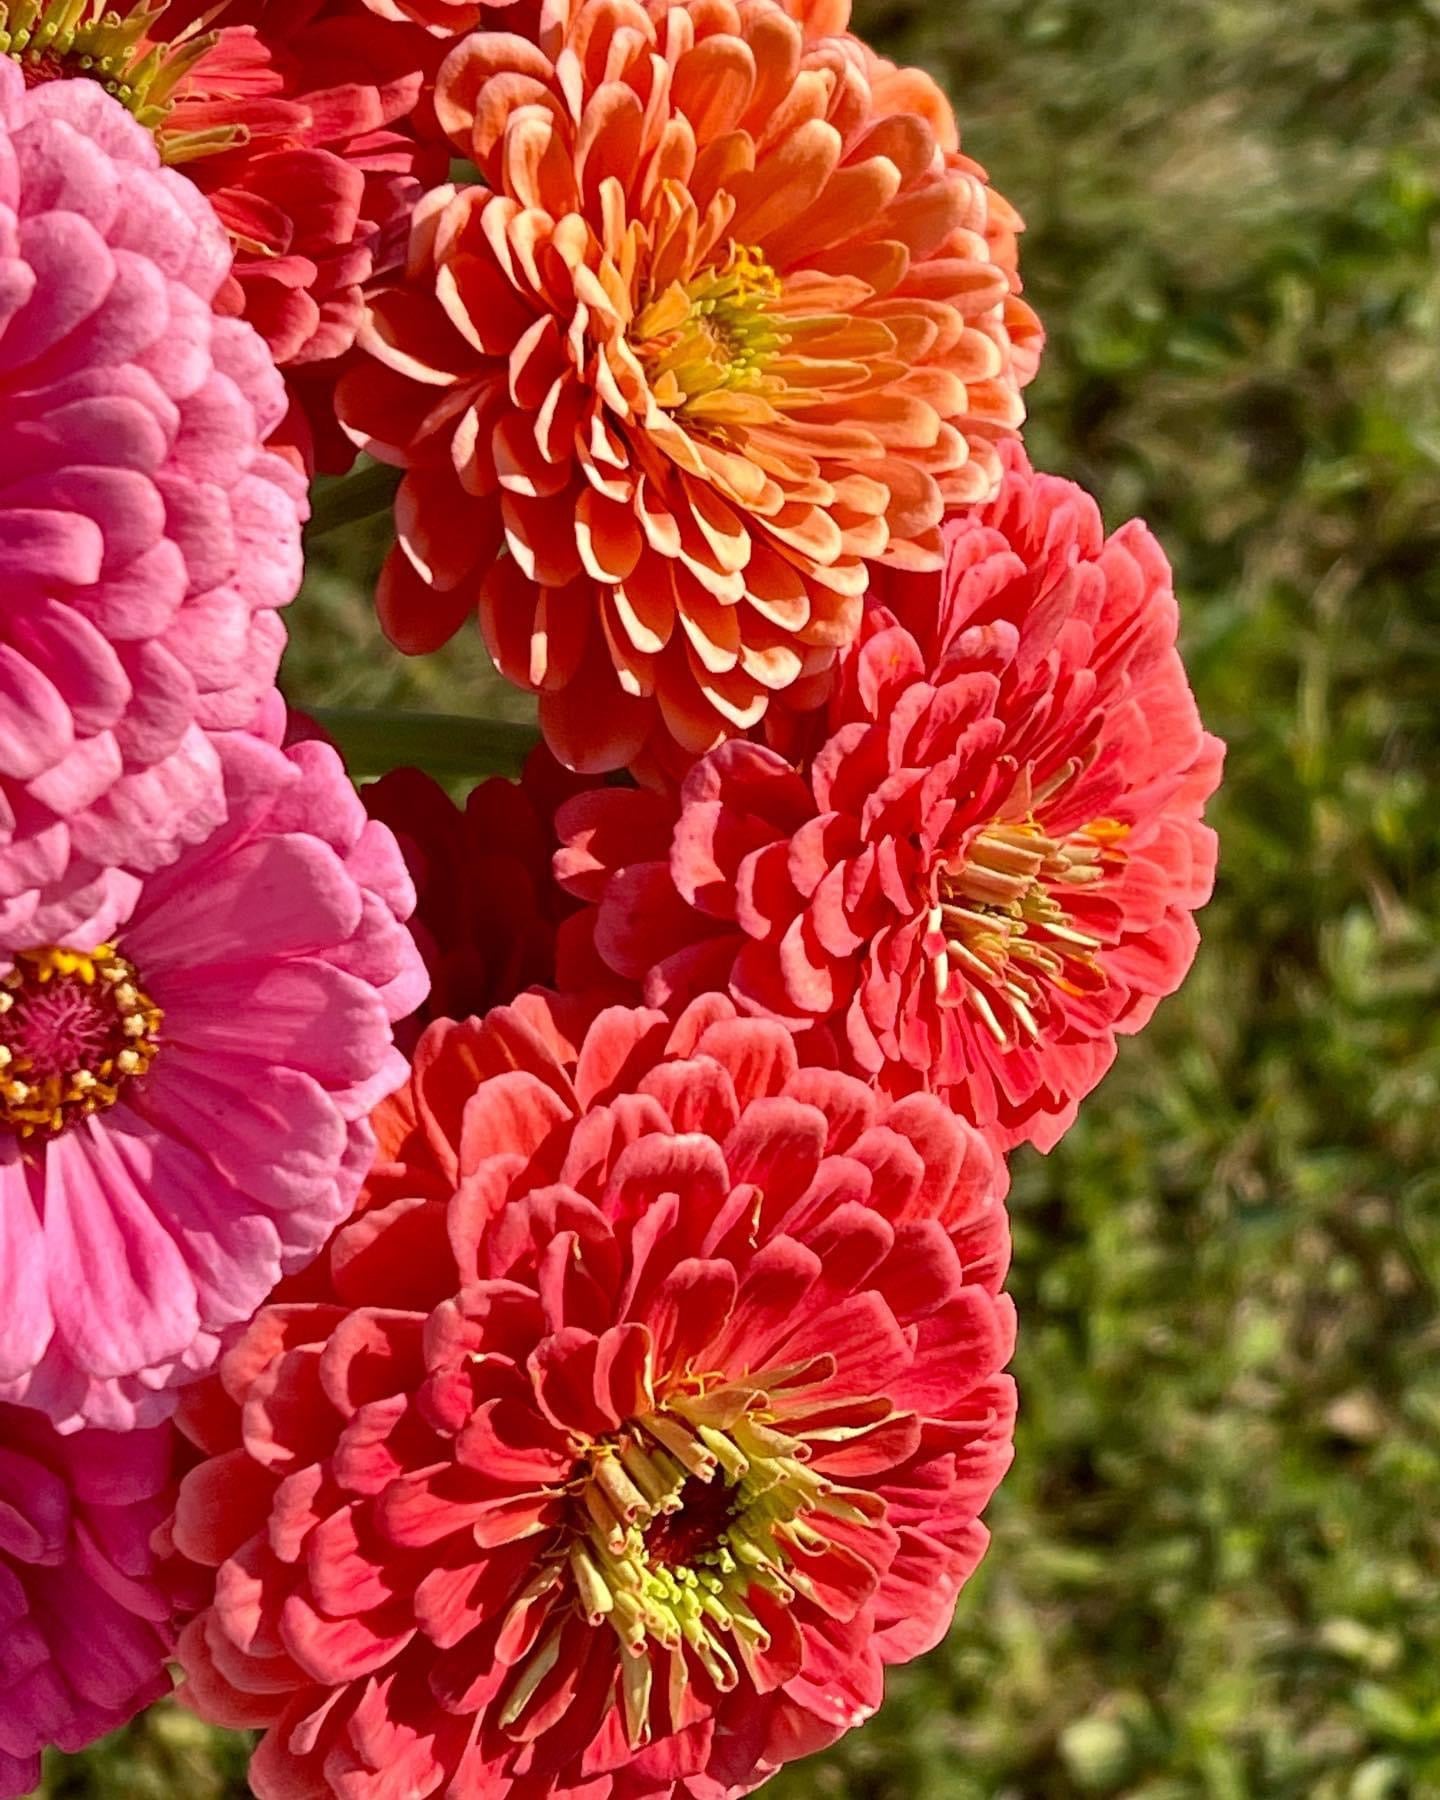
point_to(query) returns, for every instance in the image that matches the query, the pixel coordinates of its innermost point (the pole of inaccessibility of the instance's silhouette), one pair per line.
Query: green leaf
(352, 498)
(443, 744)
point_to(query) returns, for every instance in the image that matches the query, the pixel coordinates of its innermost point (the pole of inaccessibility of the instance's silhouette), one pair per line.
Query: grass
(1216, 1560)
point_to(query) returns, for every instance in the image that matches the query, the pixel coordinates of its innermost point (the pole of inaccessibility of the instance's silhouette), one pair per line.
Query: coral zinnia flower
(989, 867)
(723, 320)
(487, 904)
(146, 537)
(184, 1092)
(86, 1621)
(645, 1504)
(290, 132)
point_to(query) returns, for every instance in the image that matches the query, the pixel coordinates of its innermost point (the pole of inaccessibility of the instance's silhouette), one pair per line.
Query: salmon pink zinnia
(185, 1089)
(693, 1445)
(987, 866)
(84, 1618)
(146, 535)
(727, 316)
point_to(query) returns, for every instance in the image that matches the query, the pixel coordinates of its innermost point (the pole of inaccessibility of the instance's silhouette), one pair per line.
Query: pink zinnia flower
(487, 906)
(987, 868)
(693, 1444)
(84, 1619)
(146, 536)
(290, 119)
(184, 1089)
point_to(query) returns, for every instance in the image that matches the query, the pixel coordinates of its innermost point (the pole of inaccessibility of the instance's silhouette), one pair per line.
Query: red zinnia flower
(727, 316)
(989, 867)
(487, 902)
(693, 1447)
(286, 119)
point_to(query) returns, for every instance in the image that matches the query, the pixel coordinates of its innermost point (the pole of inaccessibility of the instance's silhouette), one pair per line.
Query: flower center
(75, 1027)
(675, 1522)
(59, 40)
(715, 332)
(1007, 929)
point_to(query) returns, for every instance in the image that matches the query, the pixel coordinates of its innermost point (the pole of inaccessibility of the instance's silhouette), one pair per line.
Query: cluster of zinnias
(508, 1293)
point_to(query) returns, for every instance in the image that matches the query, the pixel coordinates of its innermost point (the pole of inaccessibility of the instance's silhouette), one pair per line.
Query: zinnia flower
(726, 317)
(989, 865)
(487, 905)
(146, 537)
(84, 1619)
(285, 118)
(694, 1446)
(184, 1090)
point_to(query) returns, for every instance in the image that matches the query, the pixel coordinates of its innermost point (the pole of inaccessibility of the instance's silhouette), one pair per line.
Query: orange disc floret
(727, 317)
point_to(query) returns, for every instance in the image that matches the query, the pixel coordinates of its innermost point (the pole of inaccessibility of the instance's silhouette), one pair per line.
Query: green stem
(369, 491)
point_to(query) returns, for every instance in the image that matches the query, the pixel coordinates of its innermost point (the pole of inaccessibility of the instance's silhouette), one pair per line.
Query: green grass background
(1216, 1567)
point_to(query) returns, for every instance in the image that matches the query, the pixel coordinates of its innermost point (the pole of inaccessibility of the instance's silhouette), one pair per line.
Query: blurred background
(1216, 1567)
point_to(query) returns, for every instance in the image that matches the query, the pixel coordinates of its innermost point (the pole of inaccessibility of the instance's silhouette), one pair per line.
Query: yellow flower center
(75, 1028)
(674, 1522)
(1008, 933)
(714, 333)
(59, 40)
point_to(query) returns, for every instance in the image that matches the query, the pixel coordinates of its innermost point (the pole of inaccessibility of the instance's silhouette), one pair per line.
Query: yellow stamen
(76, 1027)
(1002, 913)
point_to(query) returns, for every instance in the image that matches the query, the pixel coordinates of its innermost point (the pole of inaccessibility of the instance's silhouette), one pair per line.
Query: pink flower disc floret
(146, 535)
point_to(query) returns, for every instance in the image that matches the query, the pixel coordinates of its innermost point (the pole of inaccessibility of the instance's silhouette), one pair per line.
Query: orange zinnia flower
(727, 316)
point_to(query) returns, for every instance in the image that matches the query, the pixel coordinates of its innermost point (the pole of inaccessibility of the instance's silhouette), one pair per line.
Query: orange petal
(786, 182)
(508, 601)
(473, 62)
(608, 539)
(541, 536)
(536, 166)
(713, 85)
(409, 333)
(713, 630)
(609, 140)
(446, 536)
(519, 462)
(536, 361)
(776, 590)
(412, 615)
(853, 196)
(645, 607)
(738, 699)
(590, 723)
(722, 528)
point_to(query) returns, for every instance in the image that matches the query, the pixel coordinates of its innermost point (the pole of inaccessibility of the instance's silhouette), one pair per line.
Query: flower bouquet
(504, 1291)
